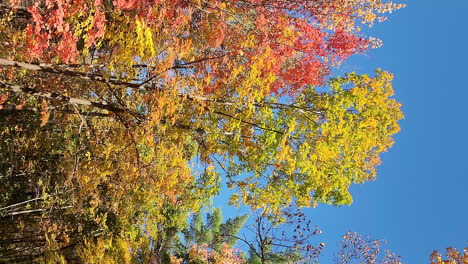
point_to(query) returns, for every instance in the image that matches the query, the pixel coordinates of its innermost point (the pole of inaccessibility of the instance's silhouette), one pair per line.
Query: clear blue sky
(419, 201)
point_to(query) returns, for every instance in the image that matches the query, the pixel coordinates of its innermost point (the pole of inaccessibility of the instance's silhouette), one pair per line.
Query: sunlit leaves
(316, 146)
(297, 44)
(149, 104)
(452, 255)
(202, 254)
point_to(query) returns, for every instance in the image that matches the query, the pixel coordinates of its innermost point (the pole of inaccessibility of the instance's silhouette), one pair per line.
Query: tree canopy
(120, 118)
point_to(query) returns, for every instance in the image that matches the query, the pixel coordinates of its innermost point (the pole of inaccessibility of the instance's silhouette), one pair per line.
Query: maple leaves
(296, 42)
(47, 27)
(317, 145)
(344, 44)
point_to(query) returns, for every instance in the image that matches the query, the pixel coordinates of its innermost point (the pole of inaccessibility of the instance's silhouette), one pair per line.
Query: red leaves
(3, 98)
(123, 4)
(142, 8)
(302, 47)
(342, 44)
(52, 36)
(46, 28)
(308, 72)
(98, 28)
(15, 3)
(66, 49)
(38, 40)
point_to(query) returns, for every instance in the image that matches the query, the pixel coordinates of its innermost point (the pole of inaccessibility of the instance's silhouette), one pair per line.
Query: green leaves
(316, 145)
(214, 233)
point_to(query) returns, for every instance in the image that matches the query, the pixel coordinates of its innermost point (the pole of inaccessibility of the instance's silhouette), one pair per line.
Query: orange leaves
(261, 22)
(213, 28)
(453, 256)
(45, 113)
(306, 38)
(4, 98)
(202, 254)
(216, 38)
(124, 4)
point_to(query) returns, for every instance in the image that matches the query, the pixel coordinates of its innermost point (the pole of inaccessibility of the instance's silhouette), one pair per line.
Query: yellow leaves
(236, 71)
(83, 25)
(144, 40)
(105, 250)
(160, 175)
(234, 200)
(257, 79)
(88, 155)
(369, 123)
(164, 109)
(326, 152)
(45, 113)
(285, 159)
(175, 260)
(249, 42)
(363, 11)
(133, 43)
(289, 34)
(316, 160)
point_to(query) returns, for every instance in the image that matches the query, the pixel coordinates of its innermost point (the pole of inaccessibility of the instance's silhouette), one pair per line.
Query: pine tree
(214, 233)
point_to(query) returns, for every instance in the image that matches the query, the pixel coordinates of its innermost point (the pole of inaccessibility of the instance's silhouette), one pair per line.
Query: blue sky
(419, 201)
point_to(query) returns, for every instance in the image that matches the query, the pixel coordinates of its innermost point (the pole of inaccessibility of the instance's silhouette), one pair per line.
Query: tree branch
(62, 98)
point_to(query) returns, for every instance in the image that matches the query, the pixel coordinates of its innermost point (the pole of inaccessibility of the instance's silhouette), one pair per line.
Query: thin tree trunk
(11, 108)
(35, 211)
(62, 98)
(65, 71)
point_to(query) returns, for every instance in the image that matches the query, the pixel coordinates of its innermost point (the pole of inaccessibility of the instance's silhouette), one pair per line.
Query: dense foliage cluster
(452, 256)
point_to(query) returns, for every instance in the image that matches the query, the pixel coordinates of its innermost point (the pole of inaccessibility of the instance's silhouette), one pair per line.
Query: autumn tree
(285, 240)
(452, 256)
(121, 160)
(211, 242)
(29, 155)
(357, 248)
